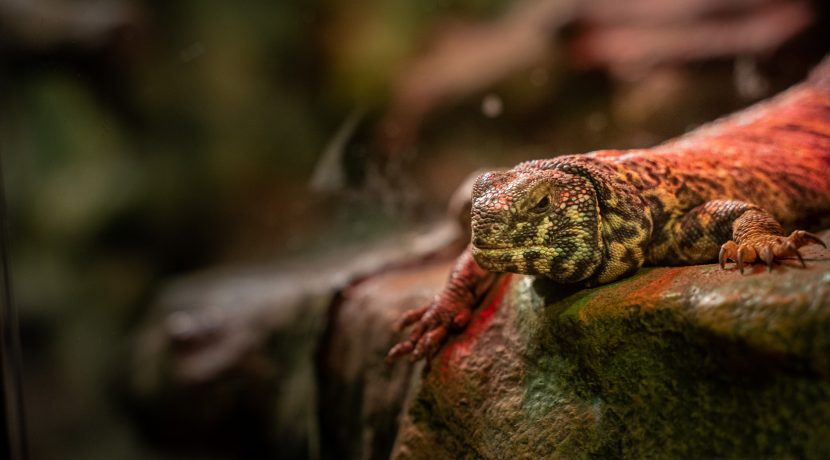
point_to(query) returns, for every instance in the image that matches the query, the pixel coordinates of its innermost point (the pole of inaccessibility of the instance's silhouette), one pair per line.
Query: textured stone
(228, 355)
(360, 397)
(690, 362)
(672, 362)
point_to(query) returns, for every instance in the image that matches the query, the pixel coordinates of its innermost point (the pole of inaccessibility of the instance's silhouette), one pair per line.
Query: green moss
(575, 305)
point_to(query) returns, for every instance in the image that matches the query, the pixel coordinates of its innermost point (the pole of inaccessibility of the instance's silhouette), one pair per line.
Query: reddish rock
(228, 355)
(359, 396)
(689, 362)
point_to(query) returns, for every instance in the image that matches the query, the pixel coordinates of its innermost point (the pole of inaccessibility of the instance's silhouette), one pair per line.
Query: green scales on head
(558, 219)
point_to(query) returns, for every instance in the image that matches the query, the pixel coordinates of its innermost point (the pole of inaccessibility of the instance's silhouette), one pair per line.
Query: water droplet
(491, 105)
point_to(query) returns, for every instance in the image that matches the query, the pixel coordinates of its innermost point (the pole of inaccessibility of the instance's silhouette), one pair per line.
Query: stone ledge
(673, 362)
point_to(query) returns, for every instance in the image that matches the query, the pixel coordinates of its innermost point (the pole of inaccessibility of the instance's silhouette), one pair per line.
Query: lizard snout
(487, 235)
(481, 243)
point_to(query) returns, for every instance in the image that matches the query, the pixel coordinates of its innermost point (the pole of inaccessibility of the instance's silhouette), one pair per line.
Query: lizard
(736, 189)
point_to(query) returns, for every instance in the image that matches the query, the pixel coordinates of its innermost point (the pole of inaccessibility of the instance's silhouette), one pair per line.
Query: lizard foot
(432, 323)
(767, 248)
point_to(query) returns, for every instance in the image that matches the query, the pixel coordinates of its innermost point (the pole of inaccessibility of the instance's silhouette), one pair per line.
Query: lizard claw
(742, 254)
(409, 318)
(424, 320)
(791, 247)
(431, 326)
(767, 248)
(745, 254)
(727, 252)
(802, 238)
(429, 343)
(767, 257)
(399, 350)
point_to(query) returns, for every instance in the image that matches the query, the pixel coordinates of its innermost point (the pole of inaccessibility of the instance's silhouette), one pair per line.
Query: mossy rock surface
(675, 362)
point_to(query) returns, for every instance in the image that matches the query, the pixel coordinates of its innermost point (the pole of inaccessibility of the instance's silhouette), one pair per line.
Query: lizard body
(730, 190)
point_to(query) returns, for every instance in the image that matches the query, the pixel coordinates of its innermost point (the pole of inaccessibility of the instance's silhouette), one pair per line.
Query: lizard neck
(626, 221)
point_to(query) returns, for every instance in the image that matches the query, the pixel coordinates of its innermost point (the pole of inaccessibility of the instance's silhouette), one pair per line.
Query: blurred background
(144, 140)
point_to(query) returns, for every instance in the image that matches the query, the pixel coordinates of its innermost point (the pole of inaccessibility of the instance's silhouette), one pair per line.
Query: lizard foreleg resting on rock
(451, 309)
(750, 232)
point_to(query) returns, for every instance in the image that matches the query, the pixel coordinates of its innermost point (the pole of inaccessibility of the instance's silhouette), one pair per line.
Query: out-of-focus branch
(467, 57)
(628, 46)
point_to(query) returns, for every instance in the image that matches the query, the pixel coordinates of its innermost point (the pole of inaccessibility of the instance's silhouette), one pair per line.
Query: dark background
(142, 140)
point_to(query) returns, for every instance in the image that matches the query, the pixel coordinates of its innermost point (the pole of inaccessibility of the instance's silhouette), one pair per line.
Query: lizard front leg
(735, 230)
(757, 235)
(449, 310)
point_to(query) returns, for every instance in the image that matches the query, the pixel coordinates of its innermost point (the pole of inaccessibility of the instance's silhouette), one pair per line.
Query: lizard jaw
(505, 259)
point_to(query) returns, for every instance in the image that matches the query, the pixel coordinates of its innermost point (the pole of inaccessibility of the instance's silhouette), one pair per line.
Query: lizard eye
(542, 205)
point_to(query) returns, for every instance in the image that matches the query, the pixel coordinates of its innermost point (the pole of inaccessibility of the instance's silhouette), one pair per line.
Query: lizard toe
(410, 344)
(399, 350)
(741, 254)
(788, 249)
(728, 251)
(430, 327)
(746, 255)
(765, 253)
(802, 238)
(462, 318)
(430, 343)
(410, 317)
(766, 248)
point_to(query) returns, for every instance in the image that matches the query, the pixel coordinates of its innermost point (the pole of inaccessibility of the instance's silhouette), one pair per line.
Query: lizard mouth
(514, 260)
(495, 251)
(487, 246)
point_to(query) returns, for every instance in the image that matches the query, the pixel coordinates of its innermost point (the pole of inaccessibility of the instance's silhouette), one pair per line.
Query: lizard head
(537, 222)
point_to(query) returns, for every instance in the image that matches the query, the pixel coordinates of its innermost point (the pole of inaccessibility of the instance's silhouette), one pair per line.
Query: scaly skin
(727, 191)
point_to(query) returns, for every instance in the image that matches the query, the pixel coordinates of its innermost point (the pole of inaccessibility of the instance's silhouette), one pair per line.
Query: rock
(225, 363)
(674, 362)
(228, 355)
(360, 397)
